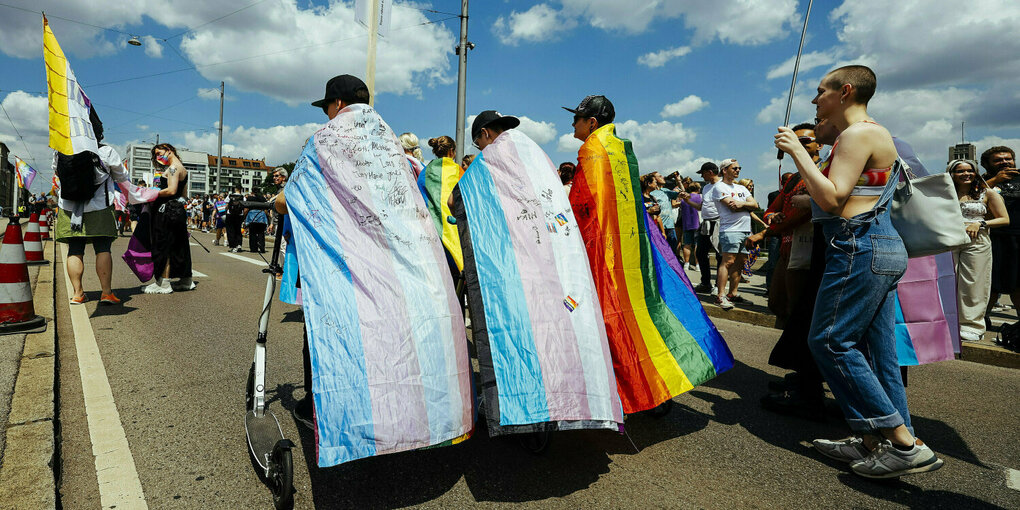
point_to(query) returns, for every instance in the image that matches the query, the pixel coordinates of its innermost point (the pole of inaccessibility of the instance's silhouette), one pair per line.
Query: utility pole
(462, 50)
(963, 134)
(373, 36)
(219, 142)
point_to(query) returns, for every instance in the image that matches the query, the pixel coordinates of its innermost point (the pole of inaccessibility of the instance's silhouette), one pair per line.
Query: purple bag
(139, 259)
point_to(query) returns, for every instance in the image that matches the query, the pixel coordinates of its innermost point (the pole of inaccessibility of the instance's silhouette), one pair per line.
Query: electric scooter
(266, 443)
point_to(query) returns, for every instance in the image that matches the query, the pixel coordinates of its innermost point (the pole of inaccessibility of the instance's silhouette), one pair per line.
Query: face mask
(163, 159)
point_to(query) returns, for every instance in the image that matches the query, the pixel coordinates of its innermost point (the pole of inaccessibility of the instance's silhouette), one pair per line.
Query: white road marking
(198, 274)
(1013, 479)
(239, 257)
(119, 485)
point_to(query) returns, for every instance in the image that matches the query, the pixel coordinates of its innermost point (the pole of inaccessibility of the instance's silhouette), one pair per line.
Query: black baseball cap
(492, 118)
(710, 167)
(349, 89)
(595, 106)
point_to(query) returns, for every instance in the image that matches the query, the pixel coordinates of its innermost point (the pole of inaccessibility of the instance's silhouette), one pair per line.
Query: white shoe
(183, 284)
(851, 449)
(967, 336)
(887, 461)
(155, 288)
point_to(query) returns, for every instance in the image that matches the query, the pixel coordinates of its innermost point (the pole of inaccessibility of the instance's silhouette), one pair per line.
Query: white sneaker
(183, 284)
(723, 303)
(155, 288)
(851, 449)
(887, 461)
(967, 336)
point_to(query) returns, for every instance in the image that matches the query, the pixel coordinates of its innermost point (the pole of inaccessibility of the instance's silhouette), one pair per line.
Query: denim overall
(855, 311)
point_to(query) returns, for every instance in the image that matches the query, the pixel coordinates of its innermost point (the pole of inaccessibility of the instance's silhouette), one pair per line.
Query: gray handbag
(926, 213)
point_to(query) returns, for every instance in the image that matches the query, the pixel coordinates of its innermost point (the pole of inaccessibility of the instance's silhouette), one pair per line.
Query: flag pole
(793, 84)
(373, 36)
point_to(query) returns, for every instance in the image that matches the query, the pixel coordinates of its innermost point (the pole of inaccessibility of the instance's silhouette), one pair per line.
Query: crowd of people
(819, 266)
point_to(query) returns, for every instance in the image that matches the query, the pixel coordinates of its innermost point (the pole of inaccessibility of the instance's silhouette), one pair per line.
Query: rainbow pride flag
(388, 346)
(663, 343)
(437, 181)
(71, 129)
(543, 354)
(24, 173)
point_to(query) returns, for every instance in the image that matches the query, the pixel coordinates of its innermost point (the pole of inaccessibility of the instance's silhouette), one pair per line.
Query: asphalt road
(177, 366)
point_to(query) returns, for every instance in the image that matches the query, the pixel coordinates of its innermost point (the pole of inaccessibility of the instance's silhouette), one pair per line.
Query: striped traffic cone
(33, 245)
(44, 227)
(17, 310)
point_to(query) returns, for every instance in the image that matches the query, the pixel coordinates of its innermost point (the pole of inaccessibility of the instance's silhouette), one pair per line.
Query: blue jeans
(671, 239)
(855, 311)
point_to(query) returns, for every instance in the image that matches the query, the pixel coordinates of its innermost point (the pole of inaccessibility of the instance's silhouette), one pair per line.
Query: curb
(974, 352)
(989, 355)
(27, 476)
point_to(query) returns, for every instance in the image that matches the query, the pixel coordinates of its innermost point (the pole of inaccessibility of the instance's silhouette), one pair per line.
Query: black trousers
(234, 238)
(701, 254)
(257, 237)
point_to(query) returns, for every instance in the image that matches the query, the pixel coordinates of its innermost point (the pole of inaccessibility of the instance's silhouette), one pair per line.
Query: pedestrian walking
(855, 306)
(171, 251)
(256, 221)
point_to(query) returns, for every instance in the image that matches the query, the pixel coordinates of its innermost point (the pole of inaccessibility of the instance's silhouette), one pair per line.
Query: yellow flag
(70, 128)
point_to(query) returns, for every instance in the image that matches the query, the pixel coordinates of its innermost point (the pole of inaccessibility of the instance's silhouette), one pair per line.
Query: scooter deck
(263, 433)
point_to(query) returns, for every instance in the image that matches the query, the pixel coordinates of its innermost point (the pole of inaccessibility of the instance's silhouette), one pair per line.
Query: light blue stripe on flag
(342, 400)
(905, 351)
(522, 398)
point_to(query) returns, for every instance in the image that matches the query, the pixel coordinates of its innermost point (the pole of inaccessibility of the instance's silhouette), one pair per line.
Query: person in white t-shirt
(734, 204)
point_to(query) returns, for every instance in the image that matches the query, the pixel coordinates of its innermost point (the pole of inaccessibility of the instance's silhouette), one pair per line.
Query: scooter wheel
(534, 442)
(249, 391)
(661, 410)
(281, 475)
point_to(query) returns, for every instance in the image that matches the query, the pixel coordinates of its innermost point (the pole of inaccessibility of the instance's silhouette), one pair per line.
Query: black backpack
(234, 207)
(77, 175)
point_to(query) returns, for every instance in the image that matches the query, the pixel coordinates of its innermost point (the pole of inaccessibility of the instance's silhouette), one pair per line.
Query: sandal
(109, 299)
(77, 300)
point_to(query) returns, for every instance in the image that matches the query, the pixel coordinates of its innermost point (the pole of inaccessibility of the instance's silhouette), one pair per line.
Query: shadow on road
(912, 496)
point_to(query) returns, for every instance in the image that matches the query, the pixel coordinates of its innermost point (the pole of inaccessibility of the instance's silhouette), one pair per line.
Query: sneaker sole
(834, 457)
(931, 466)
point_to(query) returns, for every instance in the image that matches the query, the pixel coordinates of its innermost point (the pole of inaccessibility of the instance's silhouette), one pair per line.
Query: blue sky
(725, 81)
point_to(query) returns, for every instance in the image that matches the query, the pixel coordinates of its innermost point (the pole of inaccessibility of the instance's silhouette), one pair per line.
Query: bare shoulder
(872, 139)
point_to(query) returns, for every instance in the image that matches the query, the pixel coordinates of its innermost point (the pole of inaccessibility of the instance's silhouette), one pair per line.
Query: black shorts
(76, 245)
(1005, 263)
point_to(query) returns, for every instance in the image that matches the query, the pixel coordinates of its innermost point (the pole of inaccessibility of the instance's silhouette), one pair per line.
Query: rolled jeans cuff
(871, 425)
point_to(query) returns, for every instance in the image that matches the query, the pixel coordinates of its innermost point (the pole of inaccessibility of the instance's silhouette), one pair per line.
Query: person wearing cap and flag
(543, 355)
(387, 358)
(661, 339)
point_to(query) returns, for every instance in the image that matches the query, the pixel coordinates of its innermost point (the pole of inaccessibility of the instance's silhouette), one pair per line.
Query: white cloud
(659, 58)
(567, 143)
(323, 40)
(152, 46)
(685, 106)
(209, 93)
(539, 23)
(974, 44)
(30, 114)
(541, 132)
(277, 144)
(808, 61)
(659, 146)
(741, 22)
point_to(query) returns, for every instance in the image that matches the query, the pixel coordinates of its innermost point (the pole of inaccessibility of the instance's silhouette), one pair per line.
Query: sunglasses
(736, 167)
(806, 140)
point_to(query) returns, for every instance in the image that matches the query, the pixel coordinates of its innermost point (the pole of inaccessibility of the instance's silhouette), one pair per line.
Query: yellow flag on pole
(70, 128)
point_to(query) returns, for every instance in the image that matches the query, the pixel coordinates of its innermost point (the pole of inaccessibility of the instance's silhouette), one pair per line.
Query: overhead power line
(17, 132)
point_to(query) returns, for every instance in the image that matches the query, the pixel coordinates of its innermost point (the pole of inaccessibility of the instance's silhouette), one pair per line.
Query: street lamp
(133, 41)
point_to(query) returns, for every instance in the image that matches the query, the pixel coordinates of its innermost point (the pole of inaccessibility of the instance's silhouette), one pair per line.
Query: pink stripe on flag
(398, 411)
(555, 343)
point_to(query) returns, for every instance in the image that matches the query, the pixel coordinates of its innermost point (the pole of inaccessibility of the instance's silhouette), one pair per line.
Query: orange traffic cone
(44, 226)
(17, 310)
(33, 244)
